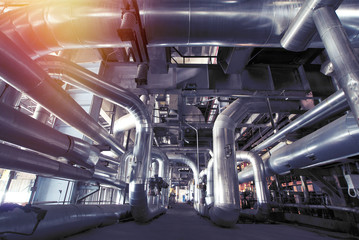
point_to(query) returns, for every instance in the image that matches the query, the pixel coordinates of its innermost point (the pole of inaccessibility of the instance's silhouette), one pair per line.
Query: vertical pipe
(7, 187)
(341, 54)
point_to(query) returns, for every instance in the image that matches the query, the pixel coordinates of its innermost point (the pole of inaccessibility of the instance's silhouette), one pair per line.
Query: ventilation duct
(333, 142)
(25, 131)
(255, 23)
(58, 221)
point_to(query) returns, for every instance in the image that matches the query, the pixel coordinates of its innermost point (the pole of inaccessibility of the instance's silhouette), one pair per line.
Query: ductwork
(25, 131)
(225, 211)
(57, 221)
(330, 106)
(51, 26)
(255, 23)
(181, 158)
(82, 78)
(263, 209)
(333, 142)
(27, 161)
(17, 66)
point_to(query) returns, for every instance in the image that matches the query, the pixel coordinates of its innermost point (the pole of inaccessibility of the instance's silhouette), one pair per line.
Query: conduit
(17, 66)
(82, 78)
(333, 142)
(59, 220)
(25, 131)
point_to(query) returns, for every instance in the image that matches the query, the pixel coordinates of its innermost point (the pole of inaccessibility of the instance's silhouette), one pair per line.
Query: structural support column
(341, 54)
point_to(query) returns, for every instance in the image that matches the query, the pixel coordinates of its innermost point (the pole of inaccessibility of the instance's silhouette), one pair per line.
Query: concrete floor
(183, 223)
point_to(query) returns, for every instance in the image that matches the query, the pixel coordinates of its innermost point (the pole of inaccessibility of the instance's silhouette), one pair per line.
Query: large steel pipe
(260, 23)
(181, 158)
(341, 54)
(17, 66)
(330, 106)
(82, 78)
(26, 161)
(25, 131)
(50, 26)
(58, 221)
(333, 142)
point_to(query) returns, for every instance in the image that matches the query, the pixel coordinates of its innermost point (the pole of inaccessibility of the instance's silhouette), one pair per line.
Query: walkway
(183, 223)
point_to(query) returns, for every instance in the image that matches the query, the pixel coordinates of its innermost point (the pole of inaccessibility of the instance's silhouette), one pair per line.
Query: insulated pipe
(330, 106)
(333, 142)
(16, 67)
(59, 220)
(259, 175)
(25, 131)
(181, 158)
(302, 29)
(21, 160)
(82, 78)
(163, 172)
(51, 26)
(340, 53)
(209, 197)
(255, 23)
(9, 95)
(225, 211)
(41, 114)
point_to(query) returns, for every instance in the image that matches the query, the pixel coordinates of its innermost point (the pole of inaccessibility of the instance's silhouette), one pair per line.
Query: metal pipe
(197, 142)
(9, 95)
(225, 211)
(181, 158)
(25, 131)
(27, 161)
(340, 53)
(302, 29)
(41, 114)
(164, 172)
(40, 87)
(330, 106)
(333, 142)
(255, 23)
(82, 78)
(259, 175)
(209, 197)
(324, 207)
(58, 220)
(57, 25)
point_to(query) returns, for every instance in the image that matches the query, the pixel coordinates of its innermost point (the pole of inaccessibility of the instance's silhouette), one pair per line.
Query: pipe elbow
(224, 216)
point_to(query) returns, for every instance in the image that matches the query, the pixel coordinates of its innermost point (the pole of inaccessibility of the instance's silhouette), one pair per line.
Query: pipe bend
(224, 215)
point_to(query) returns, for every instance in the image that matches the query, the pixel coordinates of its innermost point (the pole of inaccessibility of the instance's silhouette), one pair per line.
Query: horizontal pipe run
(255, 23)
(26, 161)
(58, 221)
(333, 142)
(16, 66)
(49, 26)
(330, 106)
(25, 131)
